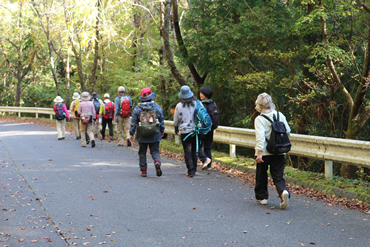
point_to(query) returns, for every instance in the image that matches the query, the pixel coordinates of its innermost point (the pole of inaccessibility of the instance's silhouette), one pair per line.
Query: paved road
(57, 193)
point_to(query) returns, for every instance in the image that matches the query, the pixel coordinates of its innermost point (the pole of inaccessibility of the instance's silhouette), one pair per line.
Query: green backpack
(149, 124)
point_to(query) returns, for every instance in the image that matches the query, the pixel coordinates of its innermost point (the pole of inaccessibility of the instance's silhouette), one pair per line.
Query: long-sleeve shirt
(184, 118)
(64, 109)
(86, 108)
(263, 130)
(72, 108)
(117, 103)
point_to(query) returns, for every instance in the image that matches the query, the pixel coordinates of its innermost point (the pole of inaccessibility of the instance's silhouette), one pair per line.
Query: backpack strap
(268, 119)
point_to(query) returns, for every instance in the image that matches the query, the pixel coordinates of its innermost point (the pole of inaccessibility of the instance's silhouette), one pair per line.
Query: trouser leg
(120, 130)
(90, 131)
(104, 125)
(76, 126)
(260, 188)
(277, 165)
(59, 128)
(63, 127)
(143, 147)
(126, 126)
(202, 156)
(154, 151)
(82, 134)
(110, 126)
(207, 143)
(189, 146)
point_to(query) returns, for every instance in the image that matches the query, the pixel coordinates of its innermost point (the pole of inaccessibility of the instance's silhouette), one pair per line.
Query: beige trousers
(123, 125)
(61, 128)
(90, 132)
(76, 126)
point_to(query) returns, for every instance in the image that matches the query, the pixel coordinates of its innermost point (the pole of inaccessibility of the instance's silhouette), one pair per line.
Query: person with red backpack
(61, 113)
(123, 107)
(107, 116)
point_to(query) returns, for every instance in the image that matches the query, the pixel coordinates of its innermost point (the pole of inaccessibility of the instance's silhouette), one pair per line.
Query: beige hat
(85, 96)
(58, 99)
(121, 89)
(76, 96)
(106, 95)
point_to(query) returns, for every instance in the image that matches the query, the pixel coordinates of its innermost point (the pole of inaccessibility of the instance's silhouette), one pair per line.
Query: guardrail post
(51, 116)
(19, 114)
(232, 151)
(37, 115)
(328, 169)
(177, 139)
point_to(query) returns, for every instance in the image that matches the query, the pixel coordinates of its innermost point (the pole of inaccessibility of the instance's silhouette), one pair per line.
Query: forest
(311, 56)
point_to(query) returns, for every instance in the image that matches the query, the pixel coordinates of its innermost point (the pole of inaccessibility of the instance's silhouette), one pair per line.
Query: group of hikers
(194, 120)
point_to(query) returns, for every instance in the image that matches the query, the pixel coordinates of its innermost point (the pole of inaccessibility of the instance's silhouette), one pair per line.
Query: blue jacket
(136, 119)
(117, 103)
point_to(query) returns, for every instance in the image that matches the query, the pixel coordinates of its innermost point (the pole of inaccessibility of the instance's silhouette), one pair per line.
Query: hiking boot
(189, 175)
(158, 168)
(143, 173)
(206, 163)
(284, 199)
(262, 202)
(63, 138)
(87, 142)
(60, 139)
(92, 143)
(111, 138)
(78, 137)
(128, 143)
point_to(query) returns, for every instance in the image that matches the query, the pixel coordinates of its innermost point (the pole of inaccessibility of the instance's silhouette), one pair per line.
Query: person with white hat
(61, 112)
(107, 116)
(87, 113)
(76, 117)
(123, 104)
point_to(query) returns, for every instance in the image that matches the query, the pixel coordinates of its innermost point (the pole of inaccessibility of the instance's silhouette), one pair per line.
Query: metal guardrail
(323, 148)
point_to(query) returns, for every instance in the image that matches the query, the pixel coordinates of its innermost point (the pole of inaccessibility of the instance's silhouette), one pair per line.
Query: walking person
(98, 104)
(206, 140)
(75, 117)
(61, 113)
(107, 116)
(148, 123)
(183, 123)
(264, 159)
(87, 113)
(123, 107)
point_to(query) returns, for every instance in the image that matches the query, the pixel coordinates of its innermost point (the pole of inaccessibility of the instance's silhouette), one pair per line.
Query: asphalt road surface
(56, 193)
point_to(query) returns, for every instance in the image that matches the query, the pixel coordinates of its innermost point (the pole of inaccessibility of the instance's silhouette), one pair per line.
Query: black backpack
(59, 112)
(214, 112)
(279, 142)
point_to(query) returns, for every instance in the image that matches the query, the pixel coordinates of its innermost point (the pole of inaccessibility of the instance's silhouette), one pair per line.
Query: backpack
(214, 112)
(125, 106)
(108, 110)
(279, 142)
(59, 112)
(149, 124)
(97, 104)
(77, 102)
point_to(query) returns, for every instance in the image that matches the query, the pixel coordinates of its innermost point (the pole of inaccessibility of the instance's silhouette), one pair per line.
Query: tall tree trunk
(96, 48)
(68, 76)
(162, 85)
(167, 47)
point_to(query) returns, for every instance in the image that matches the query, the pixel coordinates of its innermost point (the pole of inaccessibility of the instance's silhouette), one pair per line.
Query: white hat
(106, 95)
(58, 99)
(121, 89)
(76, 96)
(85, 96)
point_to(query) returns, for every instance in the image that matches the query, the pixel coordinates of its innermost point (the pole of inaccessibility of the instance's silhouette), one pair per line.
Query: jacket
(86, 108)
(135, 119)
(117, 103)
(64, 109)
(183, 119)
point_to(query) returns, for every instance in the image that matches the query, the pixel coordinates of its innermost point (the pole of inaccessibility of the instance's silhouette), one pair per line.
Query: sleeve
(93, 110)
(101, 107)
(54, 108)
(71, 108)
(130, 104)
(79, 109)
(176, 118)
(116, 103)
(66, 111)
(260, 133)
(160, 119)
(134, 121)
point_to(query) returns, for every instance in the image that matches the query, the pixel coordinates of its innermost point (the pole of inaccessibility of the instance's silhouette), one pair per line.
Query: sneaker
(87, 142)
(111, 138)
(209, 168)
(63, 138)
(119, 144)
(262, 202)
(284, 199)
(206, 163)
(189, 176)
(93, 143)
(78, 137)
(60, 139)
(143, 173)
(158, 168)
(128, 143)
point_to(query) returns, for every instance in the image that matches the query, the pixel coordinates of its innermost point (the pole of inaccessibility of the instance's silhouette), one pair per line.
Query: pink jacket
(64, 109)
(87, 108)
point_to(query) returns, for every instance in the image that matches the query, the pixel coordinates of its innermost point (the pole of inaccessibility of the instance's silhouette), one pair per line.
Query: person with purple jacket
(86, 109)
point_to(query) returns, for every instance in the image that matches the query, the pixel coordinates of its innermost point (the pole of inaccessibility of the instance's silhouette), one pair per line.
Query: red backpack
(108, 110)
(125, 107)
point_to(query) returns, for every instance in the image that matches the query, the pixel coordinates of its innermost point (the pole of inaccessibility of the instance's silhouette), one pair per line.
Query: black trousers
(154, 151)
(191, 158)
(206, 142)
(106, 121)
(277, 165)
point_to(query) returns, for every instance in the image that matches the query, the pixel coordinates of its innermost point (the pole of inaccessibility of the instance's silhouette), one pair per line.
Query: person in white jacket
(265, 106)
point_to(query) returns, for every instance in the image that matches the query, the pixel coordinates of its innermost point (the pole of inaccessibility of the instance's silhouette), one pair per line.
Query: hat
(146, 94)
(121, 89)
(85, 96)
(185, 92)
(58, 99)
(106, 95)
(76, 96)
(95, 94)
(264, 103)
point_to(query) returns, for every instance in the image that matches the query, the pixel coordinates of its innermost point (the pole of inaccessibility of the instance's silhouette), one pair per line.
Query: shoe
(59, 139)
(102, 138)
(189, 176)
(143, 173)
(78, 137)
(119, 144)
(111, 138)
(93, 143)
(262, 202)
(83, 146)
(209, 169)
(128, 143)
(87, 142)
(63, 138)
(206, 163)
(158, 168)
(284, 199)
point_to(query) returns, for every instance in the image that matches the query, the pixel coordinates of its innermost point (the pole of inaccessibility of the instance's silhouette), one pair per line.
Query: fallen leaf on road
(245, 232)
(312, 243)
(20, 240)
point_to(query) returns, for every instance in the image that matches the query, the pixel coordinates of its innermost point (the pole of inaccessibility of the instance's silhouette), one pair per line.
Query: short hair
(264, 102)
(206, 91)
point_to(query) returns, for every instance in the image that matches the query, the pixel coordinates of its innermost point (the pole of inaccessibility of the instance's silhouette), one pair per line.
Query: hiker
(206, 140)
(61, 112)
(87, 113)
(76, 118)
(183, 123)
(148, 123)
(107, 116)
(265, 106)
(123, 106)
(98, 104)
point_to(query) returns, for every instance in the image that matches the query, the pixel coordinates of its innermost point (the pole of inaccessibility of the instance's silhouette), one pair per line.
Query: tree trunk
(96, 49)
